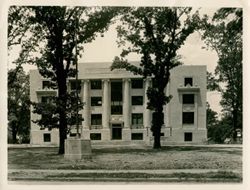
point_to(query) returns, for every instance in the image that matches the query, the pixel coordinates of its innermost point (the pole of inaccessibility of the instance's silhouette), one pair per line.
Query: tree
(18, 106)
(224, 35)
(156, 34)
(58, 30)
(212, 122)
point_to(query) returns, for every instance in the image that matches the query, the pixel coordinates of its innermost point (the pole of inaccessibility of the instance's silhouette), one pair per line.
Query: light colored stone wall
(173, 128)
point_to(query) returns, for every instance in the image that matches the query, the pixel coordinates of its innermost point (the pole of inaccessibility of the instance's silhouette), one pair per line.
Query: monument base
(76, 148)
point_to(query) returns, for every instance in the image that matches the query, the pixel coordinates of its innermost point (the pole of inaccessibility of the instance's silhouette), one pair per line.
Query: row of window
(135, 100)
(97, 84)
(188, 136)
(137, 118)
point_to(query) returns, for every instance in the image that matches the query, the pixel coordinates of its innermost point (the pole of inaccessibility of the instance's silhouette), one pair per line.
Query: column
(126, 103)
(86, 107)
(147, 112)
(106, 104)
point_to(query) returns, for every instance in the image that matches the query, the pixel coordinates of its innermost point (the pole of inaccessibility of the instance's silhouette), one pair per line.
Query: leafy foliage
(18, 106)
(156, 33)
(54, 33)
(223, 33)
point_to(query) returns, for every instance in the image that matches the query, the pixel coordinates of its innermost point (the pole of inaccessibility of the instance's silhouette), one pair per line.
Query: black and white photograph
(124, 95)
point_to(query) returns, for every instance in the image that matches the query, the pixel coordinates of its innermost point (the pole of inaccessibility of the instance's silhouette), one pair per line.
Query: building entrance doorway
(116, 131)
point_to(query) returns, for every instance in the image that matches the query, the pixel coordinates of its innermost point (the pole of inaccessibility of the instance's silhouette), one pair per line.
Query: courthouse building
(115, 106)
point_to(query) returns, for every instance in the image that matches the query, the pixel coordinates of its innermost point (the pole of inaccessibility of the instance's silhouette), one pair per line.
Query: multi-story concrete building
(115, 106)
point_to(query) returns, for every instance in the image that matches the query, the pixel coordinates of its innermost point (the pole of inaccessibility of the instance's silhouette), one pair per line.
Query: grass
(135, 158)
(223, 159)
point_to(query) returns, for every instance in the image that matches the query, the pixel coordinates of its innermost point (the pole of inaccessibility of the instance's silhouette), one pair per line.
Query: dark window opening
(137, 118)
(95, 136)
(188, 99)
(188, 136)
(116, 109)
(96, 119)
(96, 84)
(137, 136)
(46, 84)
(45, 99)
(188, 81)
(137, 100)
(46, 137)
(96, 101)
(137, 83)
(188, 117)
(74, 120)
(116, 98)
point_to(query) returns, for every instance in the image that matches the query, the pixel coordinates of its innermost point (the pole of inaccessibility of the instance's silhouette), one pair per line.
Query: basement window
(137, 136)
(188, 137)
(95, 136)
(46, 137)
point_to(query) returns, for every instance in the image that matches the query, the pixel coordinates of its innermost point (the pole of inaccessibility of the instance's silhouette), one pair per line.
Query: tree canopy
(53, 34)
(18, 106)
(223, 33)
(156, 33)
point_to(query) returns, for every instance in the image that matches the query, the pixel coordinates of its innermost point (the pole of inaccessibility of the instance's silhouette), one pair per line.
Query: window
(46, 137)
(74, 120)
(95, 136)
(188, 136)
(137, 136)
(137, 83)
(96, 101)
(188, 99)
(137, 118)
(96, 119)
(188, 81)
(46, 84)
(45, 99)
(137, 100)
(75, 85)
(96, 84)
(116, 97)
(188, 117)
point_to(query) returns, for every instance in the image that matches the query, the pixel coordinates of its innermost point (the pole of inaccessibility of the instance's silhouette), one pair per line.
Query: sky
(104, 49)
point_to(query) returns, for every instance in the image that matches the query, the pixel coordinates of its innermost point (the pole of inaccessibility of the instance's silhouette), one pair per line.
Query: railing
(139, 126)
(96, 127)
(116, 118)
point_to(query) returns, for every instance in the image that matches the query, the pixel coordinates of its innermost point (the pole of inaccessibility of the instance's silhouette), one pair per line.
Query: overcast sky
(104, 49)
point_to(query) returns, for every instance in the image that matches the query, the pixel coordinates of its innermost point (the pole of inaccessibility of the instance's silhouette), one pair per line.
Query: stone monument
(77, 148)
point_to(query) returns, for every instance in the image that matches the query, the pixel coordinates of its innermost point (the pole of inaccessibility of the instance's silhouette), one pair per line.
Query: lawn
(223, 158)
(129, 165)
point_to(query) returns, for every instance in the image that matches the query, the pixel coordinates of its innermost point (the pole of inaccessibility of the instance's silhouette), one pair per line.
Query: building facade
(115, 106)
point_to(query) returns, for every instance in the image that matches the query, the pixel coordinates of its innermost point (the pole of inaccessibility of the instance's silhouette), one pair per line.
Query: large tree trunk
(14, 133)
(62, 112)
(62, 92)
(157, 123)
